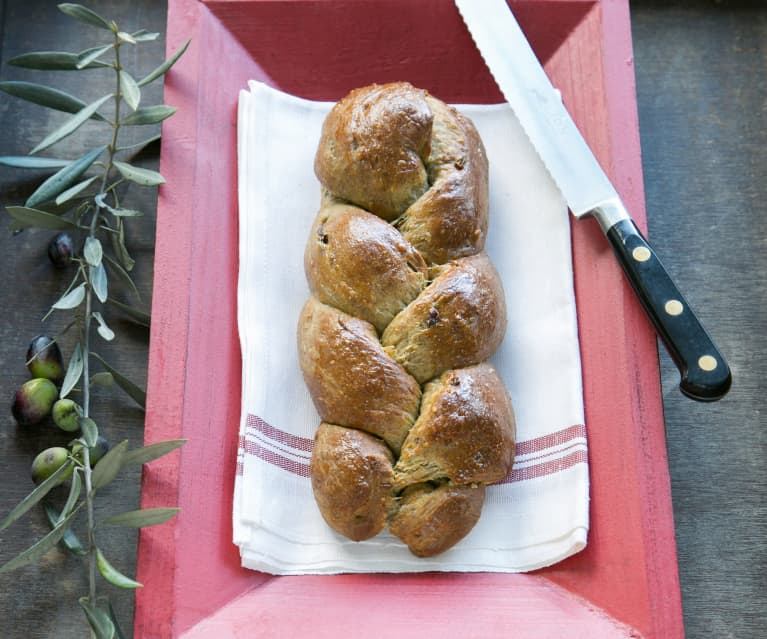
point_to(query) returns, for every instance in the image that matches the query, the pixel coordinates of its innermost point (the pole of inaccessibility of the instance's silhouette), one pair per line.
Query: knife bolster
(609, 213)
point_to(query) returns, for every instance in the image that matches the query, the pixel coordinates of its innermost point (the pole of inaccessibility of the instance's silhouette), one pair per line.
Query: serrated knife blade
(705, 374)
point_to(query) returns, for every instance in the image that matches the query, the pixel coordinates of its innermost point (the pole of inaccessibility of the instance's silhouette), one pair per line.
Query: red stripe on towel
(271, 457)
(558, 438)
(546, 468)
(534, 471)
(294, 441)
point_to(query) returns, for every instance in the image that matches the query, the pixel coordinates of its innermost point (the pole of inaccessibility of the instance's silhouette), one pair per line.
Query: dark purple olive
(99, 449)
(95, 452)
(33, 402)
(61, 250)
(44, 359)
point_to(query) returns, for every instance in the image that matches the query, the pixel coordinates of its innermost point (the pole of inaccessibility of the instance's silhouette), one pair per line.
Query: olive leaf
(118, 243)
(38, 549)
(125, 212)
(146, 142)
(163, 68)
(79, 205)
(126, 37)
(121, 273)
(25, 217)
(75, 190)
(145, 177)
(72, 299)
(151, 452)
(83, 14)
(148, 115)
(98, 277)
(141, 518)
(74, 370)
(130, 90)
(142, 35)
(90, 431)
(103, 330)
(99, 620)
(36, 495)
(63, 179)
(109, 465)
(74, 494)
(71, 125)
(112, 575)
(137, 394)
(84, 58)
(137, 315)
(119, 212)
(113, 617)
(45, 96)
(26, 162)
(53, 61)
(69, 540)
(92, 251)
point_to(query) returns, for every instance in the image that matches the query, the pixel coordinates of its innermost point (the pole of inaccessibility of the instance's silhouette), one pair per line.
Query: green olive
(48, 462)
(66, 414)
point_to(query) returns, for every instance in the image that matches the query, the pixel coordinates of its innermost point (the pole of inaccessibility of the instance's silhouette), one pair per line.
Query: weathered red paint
(625, 583)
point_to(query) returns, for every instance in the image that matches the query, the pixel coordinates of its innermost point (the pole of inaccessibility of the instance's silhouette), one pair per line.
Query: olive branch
(84, 197)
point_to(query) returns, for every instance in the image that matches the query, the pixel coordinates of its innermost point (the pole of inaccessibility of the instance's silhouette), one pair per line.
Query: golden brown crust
(373, 148)
(352, 381)
(450, 220)
(465, 431)
(459, 320)
(352, 480)
(400, 153)
(396, 251)
(431, 520)
(361, 265)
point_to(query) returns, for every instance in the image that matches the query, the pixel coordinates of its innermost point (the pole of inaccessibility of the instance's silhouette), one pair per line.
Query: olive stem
(94, 226)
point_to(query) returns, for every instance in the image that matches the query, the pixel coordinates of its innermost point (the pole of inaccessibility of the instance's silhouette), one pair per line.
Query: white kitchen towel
(539, 514)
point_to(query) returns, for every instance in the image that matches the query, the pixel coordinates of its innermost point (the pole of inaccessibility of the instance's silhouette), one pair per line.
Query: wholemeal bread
(406, 308)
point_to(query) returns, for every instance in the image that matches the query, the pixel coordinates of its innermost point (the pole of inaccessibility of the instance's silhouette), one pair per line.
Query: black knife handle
(705, 373)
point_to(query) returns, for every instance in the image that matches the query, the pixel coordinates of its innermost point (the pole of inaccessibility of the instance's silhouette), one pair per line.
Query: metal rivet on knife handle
(707, 363)
(674, 307)
(641, 254)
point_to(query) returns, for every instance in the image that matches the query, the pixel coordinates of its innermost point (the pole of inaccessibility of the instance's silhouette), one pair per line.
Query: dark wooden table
(41, 600)
(701, 71)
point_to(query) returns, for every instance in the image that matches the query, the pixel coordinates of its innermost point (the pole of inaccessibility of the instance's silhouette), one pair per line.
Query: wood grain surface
(701, 71)
(41, 600)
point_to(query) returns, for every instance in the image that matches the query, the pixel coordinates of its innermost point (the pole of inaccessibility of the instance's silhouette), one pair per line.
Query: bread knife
(705, 375)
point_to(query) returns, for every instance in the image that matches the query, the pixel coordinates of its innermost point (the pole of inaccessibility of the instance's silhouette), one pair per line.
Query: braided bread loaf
(405, 310)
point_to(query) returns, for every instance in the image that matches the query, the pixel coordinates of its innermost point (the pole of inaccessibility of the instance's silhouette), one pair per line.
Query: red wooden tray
(625, 583)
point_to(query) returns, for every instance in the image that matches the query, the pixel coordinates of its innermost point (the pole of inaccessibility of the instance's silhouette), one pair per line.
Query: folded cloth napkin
(538, 515)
